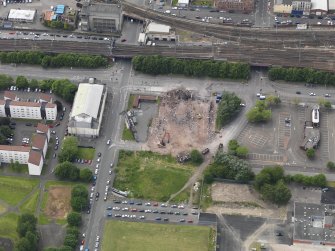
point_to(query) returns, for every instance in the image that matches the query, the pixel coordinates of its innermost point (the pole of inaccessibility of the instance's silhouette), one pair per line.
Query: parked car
(205, 151)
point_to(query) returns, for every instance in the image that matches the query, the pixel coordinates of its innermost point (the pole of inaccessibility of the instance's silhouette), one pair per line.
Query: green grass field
(8, 224)
(86, 153)
(13, 190)
(29, 206)
(150, 175)
(136, 236)
(127, 134)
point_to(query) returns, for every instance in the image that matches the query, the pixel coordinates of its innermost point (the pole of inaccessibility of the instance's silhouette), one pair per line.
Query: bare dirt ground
(241, 199)
(58, 204)
(184, 121)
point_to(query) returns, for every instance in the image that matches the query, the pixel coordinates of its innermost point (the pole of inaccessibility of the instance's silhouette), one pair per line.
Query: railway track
(282, 54)
(238, 34)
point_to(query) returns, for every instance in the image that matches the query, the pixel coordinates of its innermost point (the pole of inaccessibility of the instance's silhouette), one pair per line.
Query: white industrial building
(43, 109)
(155, 31)
(33, 156)
(183, 3)
(319, 7)
(87, 110)
(18, 15)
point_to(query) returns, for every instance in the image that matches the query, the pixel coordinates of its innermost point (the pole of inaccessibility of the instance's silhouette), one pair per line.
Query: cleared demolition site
(184, 122)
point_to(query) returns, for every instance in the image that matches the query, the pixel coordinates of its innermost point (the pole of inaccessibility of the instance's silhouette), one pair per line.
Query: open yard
(29, 206)
(150, 175)
(13, 190)
(131, 236)
(86, 153)
(8, 224)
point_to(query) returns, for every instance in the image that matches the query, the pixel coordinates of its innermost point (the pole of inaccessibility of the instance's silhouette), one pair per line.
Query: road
(120, 81)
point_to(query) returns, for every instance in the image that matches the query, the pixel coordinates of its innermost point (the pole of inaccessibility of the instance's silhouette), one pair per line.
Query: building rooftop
(102, 10)
(2, 102)
(21, 14)
(50, 105)
(158, 28)
(48, 15)
(9, 95)
(87, 100)
(314, 222)
(38, 141)
(42, 128)
(45, 97)
(14, 148)
(319, 5)
(35, 157)
(24, 103)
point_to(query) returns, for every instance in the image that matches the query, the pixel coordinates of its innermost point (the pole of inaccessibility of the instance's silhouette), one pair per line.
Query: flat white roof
(319, 5)
(331, 4)
(87, 100)
(158, 28)
(21, 14)
(141, 38)
(183, 1)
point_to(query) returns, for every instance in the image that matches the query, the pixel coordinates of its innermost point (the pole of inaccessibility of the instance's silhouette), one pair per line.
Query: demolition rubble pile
(184, 122)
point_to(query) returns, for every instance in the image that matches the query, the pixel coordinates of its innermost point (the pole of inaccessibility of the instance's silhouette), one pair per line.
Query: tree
(67, 170)
(69, 149)
(331, 165)
(24, 245)
(86, 175)
(259, 113)
(310, 153)
(70, 241)
(196, 157)
(282, 193)
(33, 84)
(6, 131)
(74, 219)
(268, 175)
(79, 198)
(22, 82)
(232, 146)
(73, 230)
(26, 223)
(228, 108)
(242, 151)
(59, 105)
(327, 104)
(272, 100)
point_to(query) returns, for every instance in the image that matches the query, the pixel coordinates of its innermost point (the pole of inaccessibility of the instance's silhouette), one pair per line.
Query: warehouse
(16, 15)
(86, 115)
(162, 32)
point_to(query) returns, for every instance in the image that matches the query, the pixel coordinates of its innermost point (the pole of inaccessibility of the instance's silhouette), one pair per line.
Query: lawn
(127, 134)
(8, 224)
(150, 175)
(13, 190)
(30, 205)
(131, 101)
(86, 153)
(131, 236)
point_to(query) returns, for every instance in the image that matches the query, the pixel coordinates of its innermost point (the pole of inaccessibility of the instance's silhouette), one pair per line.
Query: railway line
(267, 54)
(246, 35)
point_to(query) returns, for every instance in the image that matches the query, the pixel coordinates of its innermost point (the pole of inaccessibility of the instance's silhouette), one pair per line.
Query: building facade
(245, 6)
(301, 7)
(35, 163)
(44, 109)
(98, 17)
(10, 154)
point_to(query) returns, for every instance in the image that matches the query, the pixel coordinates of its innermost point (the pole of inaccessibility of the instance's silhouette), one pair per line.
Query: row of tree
(305, 75)
(226, 166)
(69, 171)
(53, 60)
(69, 150)
(156, 65)
(27, 230)
(229, 107)
(71, 239)
(57, 24)
(62, 87)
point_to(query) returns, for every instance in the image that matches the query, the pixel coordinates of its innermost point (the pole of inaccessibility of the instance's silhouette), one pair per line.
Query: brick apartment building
(245, 6)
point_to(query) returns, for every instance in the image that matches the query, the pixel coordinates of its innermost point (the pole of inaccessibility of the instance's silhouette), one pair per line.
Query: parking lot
(151, 211)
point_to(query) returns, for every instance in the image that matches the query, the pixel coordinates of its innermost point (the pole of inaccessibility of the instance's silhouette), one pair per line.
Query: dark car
(99, 154)
(158, 218)
(123, 40)
(29, 124)
(205, 151)
(57, 124)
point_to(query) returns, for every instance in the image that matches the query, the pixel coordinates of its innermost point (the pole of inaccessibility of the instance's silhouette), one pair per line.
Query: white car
(98, 160)
(111, 165)
(108, 142)
(181, 207)
(110, 172)
(97, 166)
(312, 94)
(116, 208)
(98, 238)
(107, 187)
(108, 181)
(96, 171)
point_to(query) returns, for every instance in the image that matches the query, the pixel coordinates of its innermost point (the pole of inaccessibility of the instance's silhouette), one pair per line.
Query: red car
(190, 221)
(83, 242)
(155, 204)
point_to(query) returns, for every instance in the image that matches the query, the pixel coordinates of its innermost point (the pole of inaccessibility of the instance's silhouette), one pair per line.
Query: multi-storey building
(14, 153)
(245, 6)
